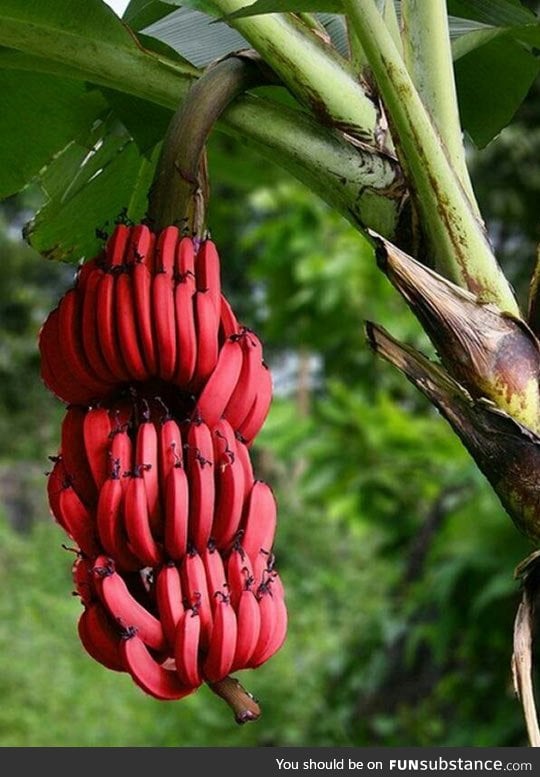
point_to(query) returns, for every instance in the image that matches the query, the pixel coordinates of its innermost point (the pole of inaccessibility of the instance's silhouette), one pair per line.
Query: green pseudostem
(180, 187)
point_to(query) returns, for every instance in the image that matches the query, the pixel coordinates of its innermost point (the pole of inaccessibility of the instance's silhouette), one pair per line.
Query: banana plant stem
(315, 73)
(392, 22)
(180, 188)
(428, 57)
(458, 239)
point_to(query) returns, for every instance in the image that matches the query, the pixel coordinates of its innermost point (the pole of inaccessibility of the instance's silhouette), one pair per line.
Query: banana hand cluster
(165, 394)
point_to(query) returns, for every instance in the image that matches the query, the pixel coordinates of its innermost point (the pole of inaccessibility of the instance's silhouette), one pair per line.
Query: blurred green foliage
(397, 559)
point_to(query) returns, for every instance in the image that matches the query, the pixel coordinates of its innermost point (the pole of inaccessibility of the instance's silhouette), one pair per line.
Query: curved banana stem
(179, 190)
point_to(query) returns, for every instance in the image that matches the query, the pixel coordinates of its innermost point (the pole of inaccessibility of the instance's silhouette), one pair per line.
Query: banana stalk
(180, 188)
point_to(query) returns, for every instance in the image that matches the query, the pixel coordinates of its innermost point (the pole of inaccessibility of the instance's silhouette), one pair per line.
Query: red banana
(78, 521)
(71, 345)
(100, 638)
(146, 459)
(97, 428)
(85, 271)
(110, 525)
(169, 600)
(239, 573)
(247, 386)
(81, 573)
(163, 301)
(165, 256)
(74, 454)
(259, 522)
(163, 307)
(200, 475)
(248, 619)
(229, 322)
(243, 457)
(148, 674)
(268, 613)
(216, 578)
(186, 336)
(141, 246)
(176, 513)
(222, 648)
(126, 326)
(277, 584)
(273, 627)
(186, 648)
(253, 422)
(89, 325)
(208, 273)
(185, 262)
(170, 451)
(195, 589)
(207, 328)
(55, 372)
(121, 453)
(140, 252)
(116, 245)
(108, 335)
(230, 485)
(142, 305)
(220, 385)
(123, 607)
(57, 480)
(137, 522)
(263, 568)
(46, 373)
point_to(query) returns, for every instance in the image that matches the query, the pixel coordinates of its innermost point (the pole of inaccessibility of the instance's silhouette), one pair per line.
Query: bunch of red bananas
(165, 393)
